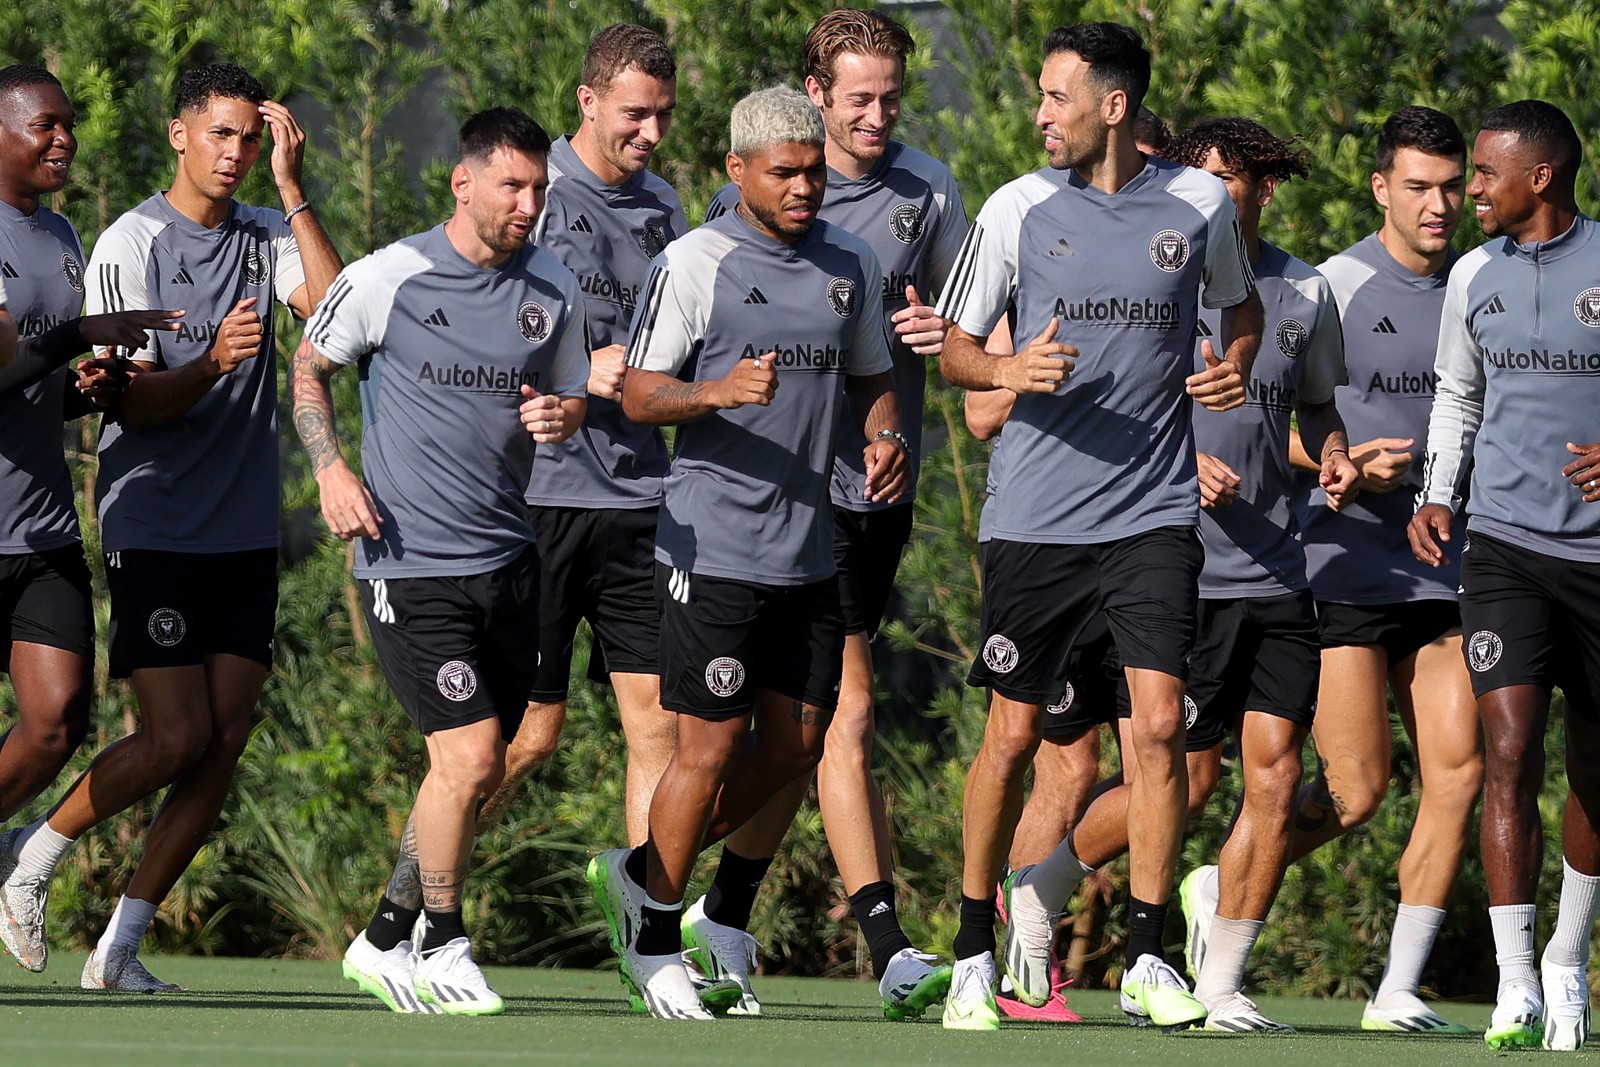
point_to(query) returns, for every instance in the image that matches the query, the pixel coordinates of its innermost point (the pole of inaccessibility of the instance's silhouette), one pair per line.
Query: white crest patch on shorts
(1191, 712)
(167, 627)
(1064, 705)
(999, 654)
(1483, 650)
(457, 681)
(724, 676)
(1169, 250)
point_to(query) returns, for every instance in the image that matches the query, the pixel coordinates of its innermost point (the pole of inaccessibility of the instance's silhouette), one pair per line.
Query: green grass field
(247, 1012)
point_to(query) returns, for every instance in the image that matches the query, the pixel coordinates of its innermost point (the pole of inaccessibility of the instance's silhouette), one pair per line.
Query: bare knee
(1204, 775)
(177, 747)
(1273, 784)
(1010, 740)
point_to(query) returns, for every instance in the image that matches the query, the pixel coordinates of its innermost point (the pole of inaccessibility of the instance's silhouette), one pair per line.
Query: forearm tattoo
(678, 400)
(405, 884)
(313, 407)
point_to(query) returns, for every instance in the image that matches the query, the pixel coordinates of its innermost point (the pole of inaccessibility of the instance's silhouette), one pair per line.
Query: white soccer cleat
(386, 975)
(1239, 1015)
(120, 970)
(448, 978)
(22, 909)
(1566, 1007)
(1030, 938)
(723, 953)
(1197, 898)
(1518, 1018)
(912, 982)
(1403, 1013)
(665, 986)
(970, 1005)
(1153, 994)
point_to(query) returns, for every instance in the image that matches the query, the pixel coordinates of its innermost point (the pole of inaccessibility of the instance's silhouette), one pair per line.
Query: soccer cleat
(447, 978)
(386, 975)
(664, 985)
(1238, 1014)
(970, 1005)
(1407, 1015)
(912, 982)
(1054, 1010)
(1030, 939)
(621, 901)
(1566, 1007)
(723, 953)
(1518, 1019)
(1198, 910)
(120, 970)
(719, 998)
(22, 909)
(1154, 995)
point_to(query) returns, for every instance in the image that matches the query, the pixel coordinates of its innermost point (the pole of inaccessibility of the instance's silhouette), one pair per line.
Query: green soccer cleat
(912, 983)
(1518, 1019)
(1154, 995)
(1198, 911)
(970, 1005)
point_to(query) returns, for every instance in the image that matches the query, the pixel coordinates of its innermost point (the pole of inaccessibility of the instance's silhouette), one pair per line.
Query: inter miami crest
(1483, 650)
(457, 681)
(724, 676)
(1064, 705)
(167, 627)
(653, 239)
(533, 321)
(905, 222)
(255, 266)
(73, 270)
(1587, 307)
(1191, 712)
(1169, 250)
(1293, 338)
(1000, 654)
(842, 297)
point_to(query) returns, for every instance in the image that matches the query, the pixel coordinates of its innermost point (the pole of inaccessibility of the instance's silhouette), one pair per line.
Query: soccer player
(188, 497)
(1387, 622)
(472, 350)
(1517, 407)
(48, 647)
(1111, 251)
(752, 333)
(907, 206)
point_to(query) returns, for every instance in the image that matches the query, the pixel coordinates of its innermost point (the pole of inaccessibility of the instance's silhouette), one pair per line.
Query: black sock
(660, 931)
(975, 936)
(391, 924)
(1144, 930)
(442, 928)
(733, 889)
(634, 865)
(874, 910)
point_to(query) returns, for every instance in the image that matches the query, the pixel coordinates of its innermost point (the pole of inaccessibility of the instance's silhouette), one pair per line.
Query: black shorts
(1401, 630)
(1530, 619)
(1040, 599)
(47, 597)
(173, 609)
(458, 650)
(1092, 680)
(1252, 654)
(596, 564)
(867, 547)
(722, 641)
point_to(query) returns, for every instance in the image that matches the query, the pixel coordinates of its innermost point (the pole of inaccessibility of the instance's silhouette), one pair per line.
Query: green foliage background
(304, 846)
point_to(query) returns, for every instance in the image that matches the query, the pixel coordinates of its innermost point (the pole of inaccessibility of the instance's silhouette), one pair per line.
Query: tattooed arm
(653, 398)
(347, 507)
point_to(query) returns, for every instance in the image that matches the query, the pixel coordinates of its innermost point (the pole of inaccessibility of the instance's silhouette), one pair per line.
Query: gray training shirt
(1251, 548)
(444, 348)
(908, 208)
(606, 235)
(1110, 453)
(1360, 554)
(747, 497)
(1519, 377)
(206, 481)
(41, 263)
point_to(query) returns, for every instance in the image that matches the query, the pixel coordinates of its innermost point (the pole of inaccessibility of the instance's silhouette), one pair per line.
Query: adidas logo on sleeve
(581, 224)
(756, 296)
(437, 318)
(1384, 326)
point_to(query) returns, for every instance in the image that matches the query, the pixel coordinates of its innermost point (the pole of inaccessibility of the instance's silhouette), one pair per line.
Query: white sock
(1580, 893)
(1050, 884)
(128, 924)
(38, 850)
(1513, 943)
(1415, 927)
(1227, 954)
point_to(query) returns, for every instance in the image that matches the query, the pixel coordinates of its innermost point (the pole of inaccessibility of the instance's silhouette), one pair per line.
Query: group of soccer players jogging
(1226, 491)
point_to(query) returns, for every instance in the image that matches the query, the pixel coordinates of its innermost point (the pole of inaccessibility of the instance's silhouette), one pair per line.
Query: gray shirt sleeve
(671, 318)
(1458, 400)
(869, 350)
(952, 232)
(985, 273)
(350, 321)
(116, 276)
(1226, 280)
(569, 372)
(1322, 368)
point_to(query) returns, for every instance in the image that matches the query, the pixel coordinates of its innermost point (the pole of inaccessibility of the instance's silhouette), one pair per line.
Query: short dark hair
(623, 45)
(1150, 129)
(1546, 130)
(196, 87)
(1424, 129)
(1243, 145)
(502, 127)
(21, 75)
(1117, 58)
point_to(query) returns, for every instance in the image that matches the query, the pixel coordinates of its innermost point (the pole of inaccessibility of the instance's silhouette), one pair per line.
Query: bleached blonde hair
(772, 116)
